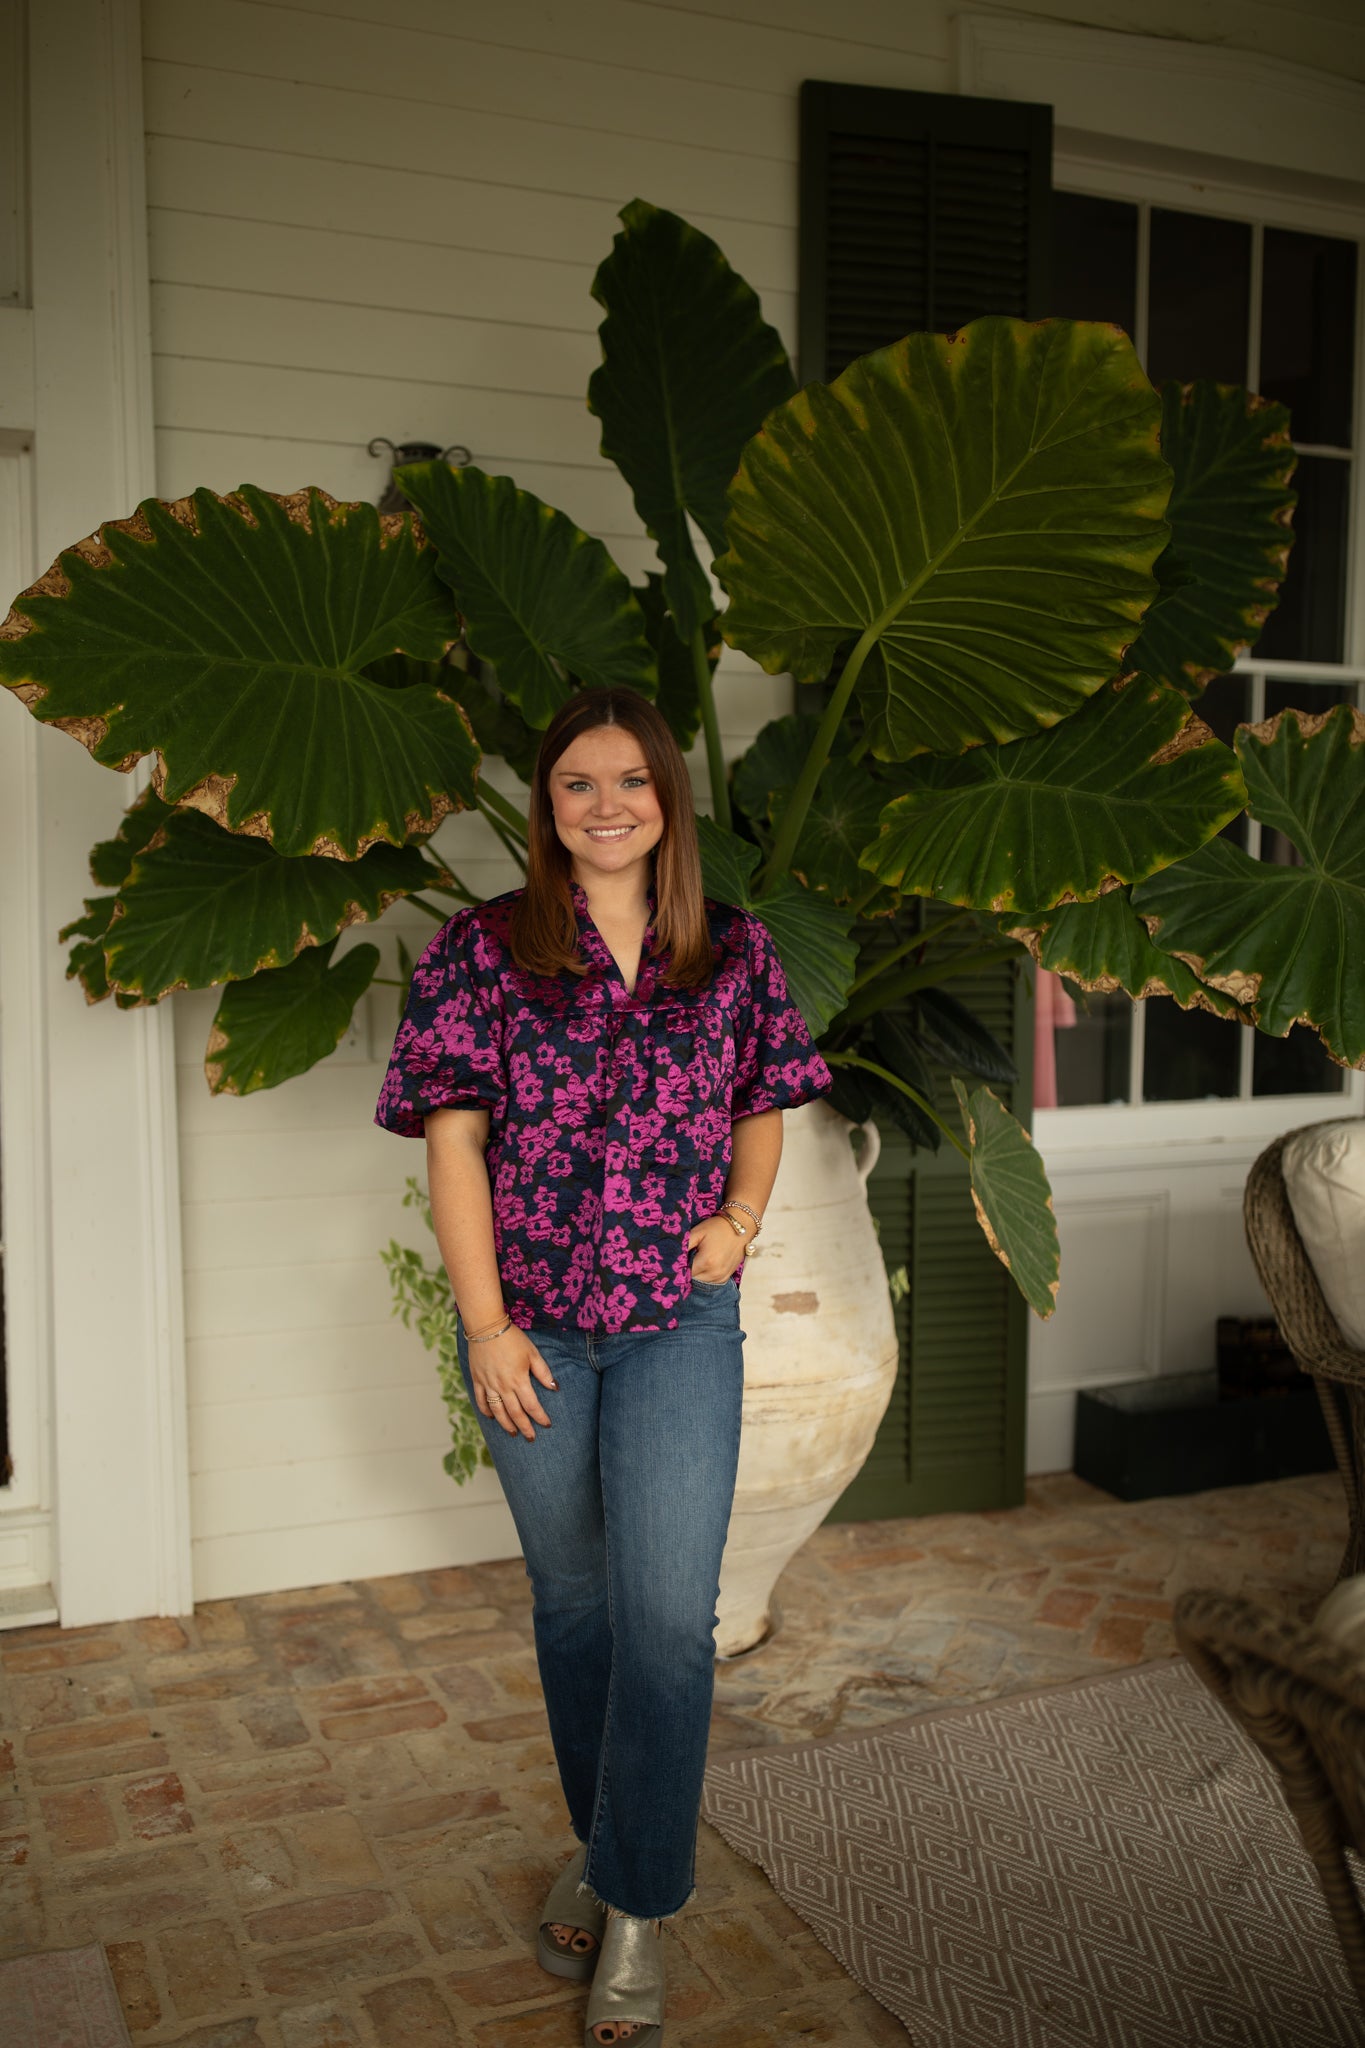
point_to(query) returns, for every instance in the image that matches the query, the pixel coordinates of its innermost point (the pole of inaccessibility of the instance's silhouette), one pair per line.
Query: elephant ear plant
(1007, 564)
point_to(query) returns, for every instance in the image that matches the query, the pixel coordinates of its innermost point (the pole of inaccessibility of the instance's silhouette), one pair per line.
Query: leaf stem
(860, 903)
(493, 799)
(799, 802)
(460, 890)
(431, 909)
(715, 753)
(854, 1059)
(924, 938)
(509, 843)
(927, 976)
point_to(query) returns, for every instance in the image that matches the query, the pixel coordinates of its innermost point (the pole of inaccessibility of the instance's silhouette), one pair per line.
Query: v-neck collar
(597, 947)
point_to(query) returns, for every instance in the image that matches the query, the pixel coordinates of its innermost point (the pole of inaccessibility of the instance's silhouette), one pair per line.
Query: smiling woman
(599, 1062)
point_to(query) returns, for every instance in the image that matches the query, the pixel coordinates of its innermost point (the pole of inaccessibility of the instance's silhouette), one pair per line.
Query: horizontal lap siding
(384, 219)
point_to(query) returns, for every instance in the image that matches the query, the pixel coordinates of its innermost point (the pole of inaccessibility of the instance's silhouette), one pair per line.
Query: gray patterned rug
(1108, 1864)
(64, 1998)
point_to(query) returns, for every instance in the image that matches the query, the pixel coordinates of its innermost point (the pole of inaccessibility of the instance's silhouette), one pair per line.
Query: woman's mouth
(608, 832)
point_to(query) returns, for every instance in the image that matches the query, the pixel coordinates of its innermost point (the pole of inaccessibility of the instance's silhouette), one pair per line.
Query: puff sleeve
(448, 1051)
(778, 1065)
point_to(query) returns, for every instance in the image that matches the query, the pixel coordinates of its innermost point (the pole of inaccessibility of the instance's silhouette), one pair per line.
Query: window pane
(1200, 298)
(1309, 622)
(1092, 1052)
(1094, 259)
(1297, 1065)
(1188, 1055)
(1308, 304)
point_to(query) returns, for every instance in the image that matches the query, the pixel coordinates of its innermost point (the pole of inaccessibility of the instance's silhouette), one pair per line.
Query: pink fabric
(1054, 1011)
(610, 1109)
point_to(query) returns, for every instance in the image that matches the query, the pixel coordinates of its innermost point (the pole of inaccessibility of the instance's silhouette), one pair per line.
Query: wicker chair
(1310, 1330)
(1300, 1696)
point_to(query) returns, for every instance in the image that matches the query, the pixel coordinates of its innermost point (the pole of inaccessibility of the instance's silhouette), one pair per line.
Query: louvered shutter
(920, 212)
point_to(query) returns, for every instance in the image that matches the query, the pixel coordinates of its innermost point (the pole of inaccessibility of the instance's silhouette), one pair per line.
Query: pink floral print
(610, 1110)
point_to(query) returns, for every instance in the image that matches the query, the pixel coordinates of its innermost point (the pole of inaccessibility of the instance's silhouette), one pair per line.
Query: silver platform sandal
(628, 1985)
(571, 1908)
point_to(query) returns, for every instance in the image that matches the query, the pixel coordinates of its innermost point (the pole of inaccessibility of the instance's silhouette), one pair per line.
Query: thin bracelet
(748, 1212)
(483, 1337)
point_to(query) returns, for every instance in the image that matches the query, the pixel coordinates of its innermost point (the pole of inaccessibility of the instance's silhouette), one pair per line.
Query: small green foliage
(422, 1297)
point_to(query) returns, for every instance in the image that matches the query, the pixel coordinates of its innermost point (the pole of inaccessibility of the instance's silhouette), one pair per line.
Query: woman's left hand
(719, 1249)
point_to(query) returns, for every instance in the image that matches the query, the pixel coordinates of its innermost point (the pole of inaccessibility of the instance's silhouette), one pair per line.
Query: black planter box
(1175, 1435)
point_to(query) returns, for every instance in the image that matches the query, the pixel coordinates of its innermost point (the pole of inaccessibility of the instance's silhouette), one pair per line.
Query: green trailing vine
(422, 1297)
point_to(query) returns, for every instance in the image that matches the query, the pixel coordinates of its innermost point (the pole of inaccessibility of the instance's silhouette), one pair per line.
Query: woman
(599, 1062)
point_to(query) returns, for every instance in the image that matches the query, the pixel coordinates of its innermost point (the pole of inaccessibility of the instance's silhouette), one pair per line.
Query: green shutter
(953, 1436)
(920, 212)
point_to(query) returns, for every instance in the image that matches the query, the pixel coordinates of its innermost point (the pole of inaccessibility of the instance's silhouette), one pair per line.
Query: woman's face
(606, 806)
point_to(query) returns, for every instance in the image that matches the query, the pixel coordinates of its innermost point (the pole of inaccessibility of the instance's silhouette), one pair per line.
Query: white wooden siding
(382, 217)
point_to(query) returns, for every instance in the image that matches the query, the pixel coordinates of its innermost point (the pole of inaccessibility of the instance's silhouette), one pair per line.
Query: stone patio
(327, 1819)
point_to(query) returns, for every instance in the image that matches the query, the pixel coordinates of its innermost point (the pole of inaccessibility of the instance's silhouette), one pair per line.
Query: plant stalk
(925, 938)
(715, 755)
(431, 909)
(509, 843)
(493, 799)
(927, 976)
(854, 1059)
(799, 802)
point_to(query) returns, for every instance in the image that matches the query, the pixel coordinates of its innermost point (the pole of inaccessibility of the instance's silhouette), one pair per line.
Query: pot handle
(871, 1150)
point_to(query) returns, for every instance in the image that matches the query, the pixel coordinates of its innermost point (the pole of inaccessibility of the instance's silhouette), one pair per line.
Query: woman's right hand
(504, 1371)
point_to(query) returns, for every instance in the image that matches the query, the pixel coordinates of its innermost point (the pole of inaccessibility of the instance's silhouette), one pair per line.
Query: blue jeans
(622, 1507)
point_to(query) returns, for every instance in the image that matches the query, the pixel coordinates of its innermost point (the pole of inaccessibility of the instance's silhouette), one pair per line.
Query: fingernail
(554, 1386)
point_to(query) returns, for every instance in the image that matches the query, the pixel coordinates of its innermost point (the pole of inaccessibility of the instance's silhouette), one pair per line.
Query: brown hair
(543, 926)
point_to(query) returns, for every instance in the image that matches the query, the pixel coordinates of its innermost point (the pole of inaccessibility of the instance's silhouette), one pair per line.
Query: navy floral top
(610, 1109)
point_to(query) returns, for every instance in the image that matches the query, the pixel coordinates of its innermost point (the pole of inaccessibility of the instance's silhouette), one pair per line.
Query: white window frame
(1124, 108)
(1239, 1117)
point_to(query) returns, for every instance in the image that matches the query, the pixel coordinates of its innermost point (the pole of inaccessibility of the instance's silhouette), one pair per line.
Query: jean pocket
(714, 1285)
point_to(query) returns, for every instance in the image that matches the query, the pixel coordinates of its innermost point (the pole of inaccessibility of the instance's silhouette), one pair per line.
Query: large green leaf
(497, 722)
(112, 859)
(960, 1040)
(86, 962)
(677, 698)
(979, 511)
(201, 905)
(284, 1020)
(1012, 1198)
(1288, 942)
(813, 935)
(541, 599)
(690, 367)
(843, 813)
(1129, 783)
(1229, 513)
(228, 637)
(897, 1051)
(1104, 946)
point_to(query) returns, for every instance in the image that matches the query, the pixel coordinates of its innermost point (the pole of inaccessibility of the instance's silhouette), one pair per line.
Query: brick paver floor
(327, 1819)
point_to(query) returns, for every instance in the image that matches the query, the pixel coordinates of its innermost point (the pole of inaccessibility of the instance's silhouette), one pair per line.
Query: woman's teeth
(616, 832)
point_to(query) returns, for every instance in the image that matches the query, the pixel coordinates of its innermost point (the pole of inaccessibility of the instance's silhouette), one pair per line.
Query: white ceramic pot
(820, 1359)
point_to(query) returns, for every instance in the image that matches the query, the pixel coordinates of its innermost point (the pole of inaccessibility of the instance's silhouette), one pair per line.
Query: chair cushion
(1324, 1177)
(1342, 1616)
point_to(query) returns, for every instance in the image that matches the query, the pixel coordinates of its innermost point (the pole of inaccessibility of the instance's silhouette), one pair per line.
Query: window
(1205, 295)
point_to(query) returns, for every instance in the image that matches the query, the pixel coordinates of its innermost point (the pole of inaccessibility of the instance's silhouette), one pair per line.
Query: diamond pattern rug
(1109, 1861)
(64, 1998)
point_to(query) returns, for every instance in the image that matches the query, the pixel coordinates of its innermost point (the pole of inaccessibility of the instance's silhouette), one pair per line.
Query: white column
(107, 1094)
